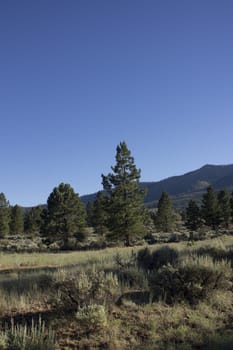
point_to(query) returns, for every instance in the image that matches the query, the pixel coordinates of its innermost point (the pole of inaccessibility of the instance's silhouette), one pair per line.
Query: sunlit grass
(97, 257)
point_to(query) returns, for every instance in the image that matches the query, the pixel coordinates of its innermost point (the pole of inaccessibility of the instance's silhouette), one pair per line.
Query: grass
(100, 257)
(26, 285)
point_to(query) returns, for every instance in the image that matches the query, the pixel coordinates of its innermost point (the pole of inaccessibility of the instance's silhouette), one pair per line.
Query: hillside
(184, 187)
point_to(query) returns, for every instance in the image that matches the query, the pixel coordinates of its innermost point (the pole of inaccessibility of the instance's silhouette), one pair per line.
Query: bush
(192, 280)
(92, 317)
(133, 278)
(82, 288)
(164, 256)
(144, 259)
(158, 258)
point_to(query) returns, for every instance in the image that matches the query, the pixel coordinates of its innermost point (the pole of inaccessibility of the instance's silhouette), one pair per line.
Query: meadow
(163, 296)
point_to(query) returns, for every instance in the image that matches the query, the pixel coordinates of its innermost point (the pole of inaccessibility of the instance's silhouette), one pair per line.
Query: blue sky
(79, 76)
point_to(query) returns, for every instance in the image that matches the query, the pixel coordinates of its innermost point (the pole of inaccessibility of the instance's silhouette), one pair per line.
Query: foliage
(92, 317)
(125, 199)
(164, 256)
(84, 288)
(231, 206)
(148, 260)
(16, 220)
(65, 217)
(33, 220)
(192, 280)
(99, 214)
(224, 208)
(4, 216)
(193, 216)
(210, 208)
(165, 218)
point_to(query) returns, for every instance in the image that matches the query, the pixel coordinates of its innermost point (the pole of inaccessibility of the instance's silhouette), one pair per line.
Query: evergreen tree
(231, 205)
(4, 216)
(210, 209)
(100, 215)
(65, 216)
(165, 218)
(33, 220)
(224, 208)
(193, 216)
(125, 198)
(16, 220)
(89, 212)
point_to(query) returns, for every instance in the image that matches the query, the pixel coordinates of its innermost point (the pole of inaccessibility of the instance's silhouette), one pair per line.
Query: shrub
(144, 259)
(82, 288)
(192, 280)
(158, 258)
(92, 317)
(164, 256)
(133, 277)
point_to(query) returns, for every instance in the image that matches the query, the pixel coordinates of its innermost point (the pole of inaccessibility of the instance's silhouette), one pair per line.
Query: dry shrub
(194, 279)
(92, 317)
(84, 288)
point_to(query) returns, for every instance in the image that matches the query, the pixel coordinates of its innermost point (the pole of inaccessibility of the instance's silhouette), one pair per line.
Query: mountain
(184, 187)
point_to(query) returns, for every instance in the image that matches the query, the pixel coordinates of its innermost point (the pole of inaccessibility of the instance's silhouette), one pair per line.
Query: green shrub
(144, 259)
(92, 317)
(158, 258)
(83, 288)
(164, 256)
(133, 278)
(192, 280)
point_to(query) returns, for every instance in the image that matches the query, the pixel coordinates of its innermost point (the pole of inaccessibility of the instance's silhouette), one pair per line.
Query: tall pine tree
(165, 217)
(4, 216)
(210, 208)
(231, 205)
(99, 214)
(125, 198)
(33, 220)
(16, 220)
(193, 216)
(224, 208)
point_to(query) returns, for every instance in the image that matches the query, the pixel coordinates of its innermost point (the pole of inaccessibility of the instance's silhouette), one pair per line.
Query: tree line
(118, 213)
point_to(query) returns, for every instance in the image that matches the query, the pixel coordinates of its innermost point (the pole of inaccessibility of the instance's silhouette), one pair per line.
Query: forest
(117, 216)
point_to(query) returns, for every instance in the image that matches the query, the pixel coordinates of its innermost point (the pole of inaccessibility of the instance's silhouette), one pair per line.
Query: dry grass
(154, 326)
(100, 257)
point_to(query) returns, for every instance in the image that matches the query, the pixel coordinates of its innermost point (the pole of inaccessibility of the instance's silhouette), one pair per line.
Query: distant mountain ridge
(184, 187)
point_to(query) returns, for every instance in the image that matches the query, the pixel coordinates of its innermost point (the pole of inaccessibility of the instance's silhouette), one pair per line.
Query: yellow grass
(99, 257)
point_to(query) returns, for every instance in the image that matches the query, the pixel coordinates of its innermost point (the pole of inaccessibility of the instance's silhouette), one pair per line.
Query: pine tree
(4, 216)
(125, 198)
(193, 216)
(65, 215)
(231, 206)
(210, 209)
(89, 212)
(33, 220)
(165, 218)
(224, 208)
(100, 215)
(16, 220)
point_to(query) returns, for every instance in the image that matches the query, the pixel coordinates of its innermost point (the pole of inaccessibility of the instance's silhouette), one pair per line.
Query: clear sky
(79, 76)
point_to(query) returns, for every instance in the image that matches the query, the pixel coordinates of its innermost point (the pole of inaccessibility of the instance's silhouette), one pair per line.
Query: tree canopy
(124, 198)
(65, 217)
